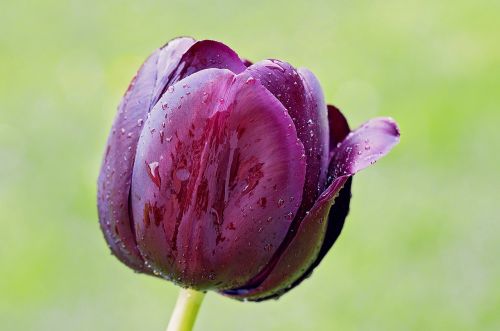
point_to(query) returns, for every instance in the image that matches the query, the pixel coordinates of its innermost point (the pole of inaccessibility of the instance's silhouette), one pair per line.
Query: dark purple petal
(246, 62)
(206, 54)
(300, 93)
(339, 128)
(364, 146)
(116, 169)
(300, 253)
(217, 180)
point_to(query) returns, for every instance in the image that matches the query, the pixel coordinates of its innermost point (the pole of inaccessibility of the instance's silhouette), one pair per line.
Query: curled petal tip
(364, 146)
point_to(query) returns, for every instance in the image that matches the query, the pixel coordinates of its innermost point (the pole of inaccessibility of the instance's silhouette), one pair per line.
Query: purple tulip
(224, 175)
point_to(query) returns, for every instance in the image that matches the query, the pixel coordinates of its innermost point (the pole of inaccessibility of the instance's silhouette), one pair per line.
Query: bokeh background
(420, 249)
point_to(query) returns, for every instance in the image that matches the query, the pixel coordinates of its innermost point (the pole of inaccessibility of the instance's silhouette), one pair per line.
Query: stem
(185, 310)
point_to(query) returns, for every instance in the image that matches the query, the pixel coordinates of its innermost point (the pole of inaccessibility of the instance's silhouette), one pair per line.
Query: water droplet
(153, 170)
(367, 147)
(164, 106)
(250, 81)
(204, 99)
(140, 121)
(171, 89)
(274, 64)
(182, 174)
(281, 202)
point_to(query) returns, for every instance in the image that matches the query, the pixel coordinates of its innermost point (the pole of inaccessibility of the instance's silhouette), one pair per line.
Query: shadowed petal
(217, 180)
(339, 128)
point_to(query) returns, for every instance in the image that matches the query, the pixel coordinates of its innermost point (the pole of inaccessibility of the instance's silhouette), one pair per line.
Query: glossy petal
(304, 252)
(217, 180)
(300, 93)
(116, 169)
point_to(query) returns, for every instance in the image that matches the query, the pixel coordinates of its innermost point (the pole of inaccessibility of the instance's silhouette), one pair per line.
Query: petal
(300, 253)
(301, 94)
(315, 236)
(339, 128)
(246, 62)
(116, 169)
(206, 54)
(217, 180)
(364, 146)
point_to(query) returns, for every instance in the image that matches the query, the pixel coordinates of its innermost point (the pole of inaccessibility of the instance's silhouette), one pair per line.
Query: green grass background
(420, 250)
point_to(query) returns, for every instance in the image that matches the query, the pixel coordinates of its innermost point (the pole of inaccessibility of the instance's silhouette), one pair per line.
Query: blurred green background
(420, 250)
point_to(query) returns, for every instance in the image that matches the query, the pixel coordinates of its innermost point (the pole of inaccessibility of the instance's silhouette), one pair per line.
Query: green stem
(185, 311)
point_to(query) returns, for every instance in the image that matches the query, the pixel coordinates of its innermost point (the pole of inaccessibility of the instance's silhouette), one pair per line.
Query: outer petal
(295, 263)
(217, 177)
(116, 169)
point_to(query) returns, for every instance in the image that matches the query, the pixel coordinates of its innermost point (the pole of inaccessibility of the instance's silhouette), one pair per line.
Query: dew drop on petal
(182, 174)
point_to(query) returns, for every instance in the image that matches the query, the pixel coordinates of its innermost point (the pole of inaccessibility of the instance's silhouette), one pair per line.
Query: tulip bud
(224, 175)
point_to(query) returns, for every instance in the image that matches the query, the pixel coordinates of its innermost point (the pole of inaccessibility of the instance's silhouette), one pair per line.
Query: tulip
(224, 175)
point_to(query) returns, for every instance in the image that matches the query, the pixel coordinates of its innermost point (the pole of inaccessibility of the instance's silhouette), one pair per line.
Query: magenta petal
(364, 146)
(300, 93)
(300, 253)
(116, 169)
(217, 180)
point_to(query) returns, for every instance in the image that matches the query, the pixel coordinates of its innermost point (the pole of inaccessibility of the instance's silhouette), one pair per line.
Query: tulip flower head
(224, 175)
